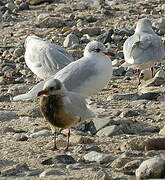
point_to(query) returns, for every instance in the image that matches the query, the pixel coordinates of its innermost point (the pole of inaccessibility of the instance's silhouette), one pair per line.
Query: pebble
(7, 115)
(36, 172)
(131, 166)
(43, 132)
(102, 175)
(42, 16)
(23, 6)
(36, 2)
(11, 6)
(98, 123)
(13, 171)
(18, 52)
(127, 96)
(51, 22)
(118, 71)
(63, 158)
(98, 157)
(129, 113)
(76, 139)
(51, 172)
(105, 37)
(151, 168)
(91, 31)
(132, 144)
(162, 131)
(71, 40)
(109, 131)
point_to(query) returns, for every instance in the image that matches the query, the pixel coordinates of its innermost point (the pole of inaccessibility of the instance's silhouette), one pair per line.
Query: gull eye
(97, 50)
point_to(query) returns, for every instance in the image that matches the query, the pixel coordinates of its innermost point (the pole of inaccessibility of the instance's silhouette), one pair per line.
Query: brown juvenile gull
(86, 76)
(144, 48)
(43, 58)
(62, 108)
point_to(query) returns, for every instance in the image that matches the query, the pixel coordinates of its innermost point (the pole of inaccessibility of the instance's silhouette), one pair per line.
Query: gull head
(52, 87)
(95, 48)
(144, 25)
(29, 38)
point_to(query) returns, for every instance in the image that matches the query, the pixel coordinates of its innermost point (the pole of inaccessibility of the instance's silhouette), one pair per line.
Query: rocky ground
(127, 140)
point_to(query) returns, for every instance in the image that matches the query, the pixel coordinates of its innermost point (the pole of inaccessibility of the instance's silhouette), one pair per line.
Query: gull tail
(32, 93)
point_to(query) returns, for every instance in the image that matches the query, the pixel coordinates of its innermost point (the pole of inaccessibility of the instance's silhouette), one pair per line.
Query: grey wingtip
(22, 97)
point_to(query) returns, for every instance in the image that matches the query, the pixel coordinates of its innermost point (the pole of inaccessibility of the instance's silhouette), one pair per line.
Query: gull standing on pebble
(86, 76)
(43, 58)
(144, 48)
(61, 108)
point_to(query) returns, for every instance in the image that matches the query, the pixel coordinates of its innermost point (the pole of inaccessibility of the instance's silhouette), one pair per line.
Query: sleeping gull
(43, 58)
(86, 76)
(143, 48)
(61, 108)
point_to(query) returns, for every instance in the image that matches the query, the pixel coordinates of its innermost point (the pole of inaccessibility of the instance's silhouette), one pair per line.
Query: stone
(91, 31)
(50, 172)
(7, 115)
(36, 2)
(116, 63)
(76, 139)
(130, 167)
(42, 16)
(43, 132)
(118, 71)
(98, 123)
(109, 131)
(106, 37)
(98, 157)
(51, 22)
(127, 96)
(23, 6)
(11, 6)
(17, 89)
(133, 144)
(151, 168)
(70, 40)
(18, 52)
(13, 171)
(162, 131)
(129, 113)
(63, 158)
(21, 137)
(35, 172)
(102, 175)
(4, 130)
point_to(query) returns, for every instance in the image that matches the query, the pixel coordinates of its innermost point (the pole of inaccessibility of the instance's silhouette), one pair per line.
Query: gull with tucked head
(86, 76)
(144, 48)
(43, 58)
(61, 108)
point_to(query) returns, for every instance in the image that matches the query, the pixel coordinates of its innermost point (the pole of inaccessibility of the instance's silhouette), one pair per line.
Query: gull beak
(42, 92)
(109, 53)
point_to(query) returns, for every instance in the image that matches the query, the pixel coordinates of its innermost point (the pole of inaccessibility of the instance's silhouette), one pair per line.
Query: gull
(62, 108)
(86, 76)
(144, 48)
(43, 58)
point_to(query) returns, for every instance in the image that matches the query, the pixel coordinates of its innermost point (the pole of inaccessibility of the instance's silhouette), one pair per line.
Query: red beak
(109, 53)
(42, 92)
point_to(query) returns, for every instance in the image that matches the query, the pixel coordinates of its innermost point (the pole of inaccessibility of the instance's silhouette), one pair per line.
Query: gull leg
(55, 145)
(66, 149)
(138, 76)
(152, 71)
